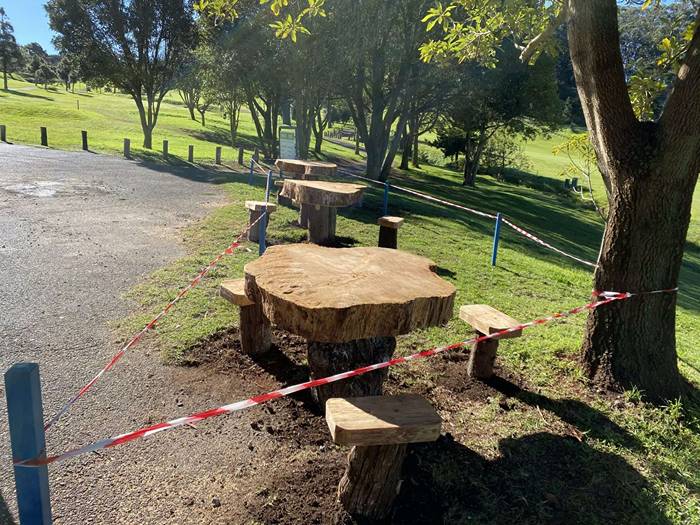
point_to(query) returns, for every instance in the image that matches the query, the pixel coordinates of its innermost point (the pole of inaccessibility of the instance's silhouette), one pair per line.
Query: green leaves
(439, 15)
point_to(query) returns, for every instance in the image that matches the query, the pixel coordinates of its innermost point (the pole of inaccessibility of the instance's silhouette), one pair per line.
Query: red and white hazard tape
(547, 245)
(607, 297)
(135, 339)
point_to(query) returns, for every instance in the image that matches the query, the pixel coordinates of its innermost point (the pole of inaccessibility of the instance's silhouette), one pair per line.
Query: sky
(30, 22)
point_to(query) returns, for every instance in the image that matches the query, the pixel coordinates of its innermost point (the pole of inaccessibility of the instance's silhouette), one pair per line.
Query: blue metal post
(26, 422)
(496, 237)
(386, 198)
(262, 245)
(250, 175)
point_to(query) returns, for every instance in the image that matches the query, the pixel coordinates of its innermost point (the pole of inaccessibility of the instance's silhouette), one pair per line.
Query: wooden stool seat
(390, 222)
(380, 429)
(255, 329)
(382, 420)
(260, 206)
(486, 320)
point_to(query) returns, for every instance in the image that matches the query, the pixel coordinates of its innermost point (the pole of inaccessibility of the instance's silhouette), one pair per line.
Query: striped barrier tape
(605, 298)
(135, 339)
(547, 245)
(518, 229)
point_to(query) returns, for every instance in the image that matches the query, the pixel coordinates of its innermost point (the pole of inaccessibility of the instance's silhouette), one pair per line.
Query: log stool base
(255, 329)
(255, 210)
(486, 320)
(372, 480)
(389, 231)
(379, 428)
(326, 359)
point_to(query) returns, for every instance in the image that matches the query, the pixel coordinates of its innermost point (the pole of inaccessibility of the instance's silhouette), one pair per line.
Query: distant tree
(137, 45)
(190, 84)
(68, 70)
(510, 96)
(10, 53)
(44, 74)
(377, 45)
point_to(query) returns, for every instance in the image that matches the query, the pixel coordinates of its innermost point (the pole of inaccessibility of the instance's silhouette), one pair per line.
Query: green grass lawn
(656, 466)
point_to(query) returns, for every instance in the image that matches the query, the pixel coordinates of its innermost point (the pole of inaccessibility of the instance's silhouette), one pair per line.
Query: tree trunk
(416, 160)
(204, 123)
(406, 147)
(650, 171)
(4, 79)
(327, 359)
(632, 343)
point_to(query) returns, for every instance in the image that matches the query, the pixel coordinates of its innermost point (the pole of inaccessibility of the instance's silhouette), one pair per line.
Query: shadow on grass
(5, 515)
(193, 172)
(539, 478)
(586, 419)
(25, 94)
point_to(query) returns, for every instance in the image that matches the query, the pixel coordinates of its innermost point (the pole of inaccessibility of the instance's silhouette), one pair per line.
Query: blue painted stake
(496, 237)
(250, 175)
(262, 245)
(386, 198)
(26, 421)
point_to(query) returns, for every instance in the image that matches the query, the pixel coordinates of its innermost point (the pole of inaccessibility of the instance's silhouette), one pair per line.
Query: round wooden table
(306, 169)
(319, 202)
(350, 304)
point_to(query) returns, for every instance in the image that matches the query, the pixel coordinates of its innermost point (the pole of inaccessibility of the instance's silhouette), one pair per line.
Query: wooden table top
(323, 193)
(306, 167)
(336, 295)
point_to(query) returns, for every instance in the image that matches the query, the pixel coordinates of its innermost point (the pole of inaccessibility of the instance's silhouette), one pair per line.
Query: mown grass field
(645, 458)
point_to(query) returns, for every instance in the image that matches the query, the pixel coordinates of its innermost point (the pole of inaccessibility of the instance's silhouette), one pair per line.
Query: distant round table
(350, 304)
(319, 202)
(306, 169)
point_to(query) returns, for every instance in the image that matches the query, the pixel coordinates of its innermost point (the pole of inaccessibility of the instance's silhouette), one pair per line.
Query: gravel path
(76, 231)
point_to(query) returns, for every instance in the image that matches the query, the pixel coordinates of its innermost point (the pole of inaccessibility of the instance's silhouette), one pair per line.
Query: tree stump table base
(327, 359)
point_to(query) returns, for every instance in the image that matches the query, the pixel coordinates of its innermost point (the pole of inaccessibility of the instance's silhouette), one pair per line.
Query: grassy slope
(528, 282)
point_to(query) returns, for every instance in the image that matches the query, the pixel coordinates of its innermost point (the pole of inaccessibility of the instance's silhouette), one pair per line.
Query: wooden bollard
(44, 137)
(85, 140)
(165, 149)
(218, 155)
(127, 148)
(3, 133)
(240, 155)
(190, 154)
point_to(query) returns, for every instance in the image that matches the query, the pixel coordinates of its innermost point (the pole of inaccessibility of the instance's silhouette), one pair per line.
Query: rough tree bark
(650, 170)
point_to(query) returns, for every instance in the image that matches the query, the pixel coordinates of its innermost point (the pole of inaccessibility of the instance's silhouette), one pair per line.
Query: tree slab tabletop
(322, 193)
(382, 420)
(337, 295)
(306, 167)
(487, 320)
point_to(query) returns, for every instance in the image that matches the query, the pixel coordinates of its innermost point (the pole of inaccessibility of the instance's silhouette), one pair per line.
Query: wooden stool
(256, 334)
(486, 320)
(379, 429)
(256, 208)
(388, 231)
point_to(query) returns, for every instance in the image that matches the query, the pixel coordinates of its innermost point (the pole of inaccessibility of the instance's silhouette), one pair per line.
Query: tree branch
(680, 119)
(536, 43)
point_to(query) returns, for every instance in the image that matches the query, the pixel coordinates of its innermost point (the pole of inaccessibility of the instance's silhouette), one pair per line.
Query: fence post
(386, 198)
(262, 244)
(26, 422)
(496, 238)
(44, 137)
(3, 133)
(165, 149)
(190, 153)
(240, 155)
(250, 175)
(127, 148)
(218, 155)
(85, 140)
